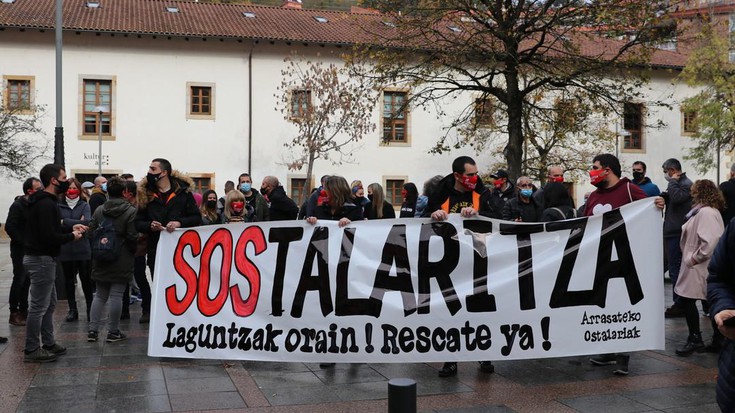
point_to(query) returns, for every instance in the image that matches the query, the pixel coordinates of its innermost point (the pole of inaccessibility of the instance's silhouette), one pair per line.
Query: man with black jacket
(43, 239)
(460, 192)
(165, 202)
(15, 227)
(99, 193)
(280, 206)
(678, 200)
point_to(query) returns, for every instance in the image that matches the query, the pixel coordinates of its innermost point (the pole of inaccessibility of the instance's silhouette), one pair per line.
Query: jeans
(107, 293)
(673, 250)
(41, 270)
(18, 299)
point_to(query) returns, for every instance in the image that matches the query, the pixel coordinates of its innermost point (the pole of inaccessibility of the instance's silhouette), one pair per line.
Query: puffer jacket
(81, 214)
(181, 207)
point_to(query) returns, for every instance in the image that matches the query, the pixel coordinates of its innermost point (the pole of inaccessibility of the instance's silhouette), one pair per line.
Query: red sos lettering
(197, 285)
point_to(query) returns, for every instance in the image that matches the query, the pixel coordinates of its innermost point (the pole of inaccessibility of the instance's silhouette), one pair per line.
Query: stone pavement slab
(120, 377)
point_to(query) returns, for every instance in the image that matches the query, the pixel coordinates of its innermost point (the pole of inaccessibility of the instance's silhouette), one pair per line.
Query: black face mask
(211, 204)
(62, 186)
(264, 190)
(638, 175)
(152, 179)
(370, 197)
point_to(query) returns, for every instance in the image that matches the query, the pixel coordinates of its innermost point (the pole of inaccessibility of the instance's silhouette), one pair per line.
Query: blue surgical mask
(245, 187)
(104, 187)
(526, 192)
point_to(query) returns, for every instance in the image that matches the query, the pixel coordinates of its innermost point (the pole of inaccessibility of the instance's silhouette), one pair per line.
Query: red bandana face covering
(72, 193)
(597, 176)
(469, 182)
(404, 193)
(558, 179)
(499, 182)
(323, 198)
(238, 206)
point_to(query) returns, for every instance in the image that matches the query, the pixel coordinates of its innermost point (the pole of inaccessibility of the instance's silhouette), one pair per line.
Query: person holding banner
(699, 237)
(336, 205)
(210, 212)
(165, 202)
(721, 297)
(460, 192)
(612, 192)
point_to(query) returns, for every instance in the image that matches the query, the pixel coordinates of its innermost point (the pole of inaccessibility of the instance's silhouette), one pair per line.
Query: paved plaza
(120, 377)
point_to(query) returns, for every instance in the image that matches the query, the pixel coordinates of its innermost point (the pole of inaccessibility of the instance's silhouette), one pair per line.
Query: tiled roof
(227, 21)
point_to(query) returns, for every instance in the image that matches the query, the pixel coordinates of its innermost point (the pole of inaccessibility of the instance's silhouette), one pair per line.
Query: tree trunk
(513, 151)
(309, 172)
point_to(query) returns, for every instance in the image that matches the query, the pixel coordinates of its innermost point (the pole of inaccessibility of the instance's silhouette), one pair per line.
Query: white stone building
(149, 61)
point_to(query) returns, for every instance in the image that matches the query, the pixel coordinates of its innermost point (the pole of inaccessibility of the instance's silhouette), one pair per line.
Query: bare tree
(331, 109)
(21, 142)
(518, 56)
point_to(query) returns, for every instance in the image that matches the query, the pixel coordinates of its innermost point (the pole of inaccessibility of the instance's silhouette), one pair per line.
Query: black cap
(500, 174)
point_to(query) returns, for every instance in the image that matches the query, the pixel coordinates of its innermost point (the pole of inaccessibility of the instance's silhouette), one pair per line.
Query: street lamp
(100, 110)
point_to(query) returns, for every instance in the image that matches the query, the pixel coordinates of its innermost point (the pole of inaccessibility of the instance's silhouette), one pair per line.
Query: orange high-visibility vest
(475, 202)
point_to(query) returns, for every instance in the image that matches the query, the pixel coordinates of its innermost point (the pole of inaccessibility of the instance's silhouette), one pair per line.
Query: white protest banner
(411, 290)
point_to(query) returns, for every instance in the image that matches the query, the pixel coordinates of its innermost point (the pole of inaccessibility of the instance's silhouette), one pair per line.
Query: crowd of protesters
(59, 220)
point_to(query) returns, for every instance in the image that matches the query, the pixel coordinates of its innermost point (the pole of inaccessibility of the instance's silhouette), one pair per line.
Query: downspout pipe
(250, 110)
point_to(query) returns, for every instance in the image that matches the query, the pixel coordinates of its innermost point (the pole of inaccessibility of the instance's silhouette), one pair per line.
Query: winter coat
(527, 212)
(699, 238)
(97, 199)
(678, 203)
(282, 208)
(259, 204)
(558, 213)
(121, 269)
(181, 207)
(43, 233)
(648, 187)
(388, 211)
(499, 198)
(445, 192)
(15, 225)
(408, 208)
(721, 296)
(421, 204)
(219, 220)
(348, 210)
(728, 191)
(75, 251)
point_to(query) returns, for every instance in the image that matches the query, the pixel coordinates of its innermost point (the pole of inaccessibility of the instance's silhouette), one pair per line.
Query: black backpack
(106, 244)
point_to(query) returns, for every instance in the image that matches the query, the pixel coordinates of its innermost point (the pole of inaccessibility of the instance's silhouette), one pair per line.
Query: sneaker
(448, 370)
(622, 368)
(55, 349)
(145, 318)
(93, 336)
(603, 360)
(17, 319)
(72, 315)
(39, 355)
(674, 312)
(114, 336)
(326, 365)
(3, 340)
(487, 367)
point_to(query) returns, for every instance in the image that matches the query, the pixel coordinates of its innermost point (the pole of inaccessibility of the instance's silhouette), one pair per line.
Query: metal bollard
(401, 396)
